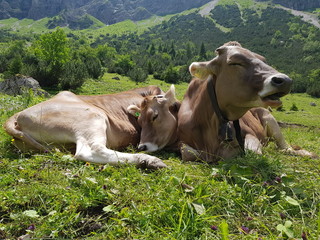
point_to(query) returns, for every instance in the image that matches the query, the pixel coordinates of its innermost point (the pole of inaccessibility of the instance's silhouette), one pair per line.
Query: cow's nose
(142, 147)
(281, 80)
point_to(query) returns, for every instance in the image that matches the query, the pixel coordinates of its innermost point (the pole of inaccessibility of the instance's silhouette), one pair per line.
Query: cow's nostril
(142, 147)
(277, 81)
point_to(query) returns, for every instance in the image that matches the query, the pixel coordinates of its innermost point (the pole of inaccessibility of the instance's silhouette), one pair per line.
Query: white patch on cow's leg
(253, 144)
(100, 154)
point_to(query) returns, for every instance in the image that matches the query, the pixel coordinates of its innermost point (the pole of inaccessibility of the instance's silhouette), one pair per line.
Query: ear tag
(137, 114)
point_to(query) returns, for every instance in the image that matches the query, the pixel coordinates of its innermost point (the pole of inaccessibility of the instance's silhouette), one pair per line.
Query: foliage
(314, 87)
(53, 51)
(138, 75)
(123, 64)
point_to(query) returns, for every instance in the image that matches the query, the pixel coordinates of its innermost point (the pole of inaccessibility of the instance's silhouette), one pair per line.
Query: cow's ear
(171, 95)
(199, 70)
(134, 110)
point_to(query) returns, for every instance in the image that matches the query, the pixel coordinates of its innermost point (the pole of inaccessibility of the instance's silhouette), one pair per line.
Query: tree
(53, 51)
(314, 88)
(171, 75)
(123, 64)
(152, 49)
(203, 52)
(53, 48)
(15, 65)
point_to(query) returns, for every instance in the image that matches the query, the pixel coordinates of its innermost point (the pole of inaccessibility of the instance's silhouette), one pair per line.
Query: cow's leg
(97, 152)
(188, 153)
(274, 132)
(252, 143)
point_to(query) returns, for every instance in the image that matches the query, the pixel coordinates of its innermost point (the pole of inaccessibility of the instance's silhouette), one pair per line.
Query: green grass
(54, 196)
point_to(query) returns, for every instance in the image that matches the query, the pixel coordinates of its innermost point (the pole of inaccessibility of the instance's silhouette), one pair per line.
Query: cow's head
(242, 80)
(157, 117)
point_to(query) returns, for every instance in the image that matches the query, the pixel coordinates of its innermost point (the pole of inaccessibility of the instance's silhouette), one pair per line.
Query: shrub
(138, 75)
(94, 67)
(74, 74)
(314, 89)
(294, 107)
(171, 75)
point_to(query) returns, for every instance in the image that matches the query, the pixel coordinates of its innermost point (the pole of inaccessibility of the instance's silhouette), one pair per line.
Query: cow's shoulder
(195, 86)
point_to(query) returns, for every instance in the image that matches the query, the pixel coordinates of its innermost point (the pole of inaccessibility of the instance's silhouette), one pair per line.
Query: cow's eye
(235, 64)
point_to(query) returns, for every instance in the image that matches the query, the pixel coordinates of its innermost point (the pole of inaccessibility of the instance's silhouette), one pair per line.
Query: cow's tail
(12, 128)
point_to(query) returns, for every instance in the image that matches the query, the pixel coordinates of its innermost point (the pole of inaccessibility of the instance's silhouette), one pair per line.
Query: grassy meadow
(54, 196)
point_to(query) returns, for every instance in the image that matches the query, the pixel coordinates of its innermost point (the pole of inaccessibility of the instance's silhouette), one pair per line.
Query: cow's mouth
(273, 100)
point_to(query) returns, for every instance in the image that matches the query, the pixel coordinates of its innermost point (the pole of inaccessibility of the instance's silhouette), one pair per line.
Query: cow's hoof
(150, 162)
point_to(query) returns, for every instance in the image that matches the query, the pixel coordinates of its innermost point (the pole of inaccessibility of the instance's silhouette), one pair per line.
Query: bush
(171, 75)
(138, 75)
(314, 89)
(94, 67)
(74, 74)
(294, 107)
(123, 64)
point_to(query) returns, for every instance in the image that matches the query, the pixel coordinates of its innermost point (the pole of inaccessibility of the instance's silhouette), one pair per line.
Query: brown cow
(93, 124)
(158, 118)
(234, 82)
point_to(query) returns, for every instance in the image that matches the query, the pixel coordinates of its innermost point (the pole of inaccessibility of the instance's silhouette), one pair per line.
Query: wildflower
(304, 236)
(278, 179)
(12, 140)
(32, 227)
(104, 187)
(283, 215)
(245, 229)
(249, 218)
(87, 164)
(214, 228)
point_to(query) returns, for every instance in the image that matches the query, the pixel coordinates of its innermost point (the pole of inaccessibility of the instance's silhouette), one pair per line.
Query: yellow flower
(12, 140)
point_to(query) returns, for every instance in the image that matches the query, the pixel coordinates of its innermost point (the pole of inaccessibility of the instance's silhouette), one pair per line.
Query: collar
(225, 126)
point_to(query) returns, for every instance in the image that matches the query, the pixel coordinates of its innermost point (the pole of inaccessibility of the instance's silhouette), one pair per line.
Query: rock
(313, 104)
(18, 84)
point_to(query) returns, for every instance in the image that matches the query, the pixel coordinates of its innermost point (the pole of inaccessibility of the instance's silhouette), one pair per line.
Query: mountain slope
(107, 11)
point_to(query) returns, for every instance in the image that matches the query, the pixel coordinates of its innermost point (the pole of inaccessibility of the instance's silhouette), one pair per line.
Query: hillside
(165, 46)
(108, 12)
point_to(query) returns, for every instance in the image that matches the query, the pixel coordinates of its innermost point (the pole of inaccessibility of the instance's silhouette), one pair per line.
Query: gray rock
(18, 84)
(313, 104)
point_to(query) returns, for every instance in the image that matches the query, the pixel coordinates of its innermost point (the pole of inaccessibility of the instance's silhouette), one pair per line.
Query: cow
(158, 118)
(223, 90)
(96, 126)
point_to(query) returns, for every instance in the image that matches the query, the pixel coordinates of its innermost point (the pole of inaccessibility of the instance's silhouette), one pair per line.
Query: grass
(54, 196)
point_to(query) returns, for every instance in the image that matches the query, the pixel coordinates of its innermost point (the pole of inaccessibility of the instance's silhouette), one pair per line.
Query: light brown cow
(159, 120)
(92, 124)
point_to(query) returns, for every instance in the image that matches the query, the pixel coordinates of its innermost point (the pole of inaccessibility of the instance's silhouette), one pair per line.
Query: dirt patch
(295, 125)
(307, 17)
(205, 11)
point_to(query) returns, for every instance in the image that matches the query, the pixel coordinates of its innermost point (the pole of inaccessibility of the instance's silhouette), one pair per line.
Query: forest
(63, 60)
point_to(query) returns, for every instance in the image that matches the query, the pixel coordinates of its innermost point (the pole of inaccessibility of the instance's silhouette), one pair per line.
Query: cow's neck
(225, 132)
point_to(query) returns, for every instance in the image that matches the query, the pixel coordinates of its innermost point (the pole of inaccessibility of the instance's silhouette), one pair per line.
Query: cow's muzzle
(275, 87)
(148, 147)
